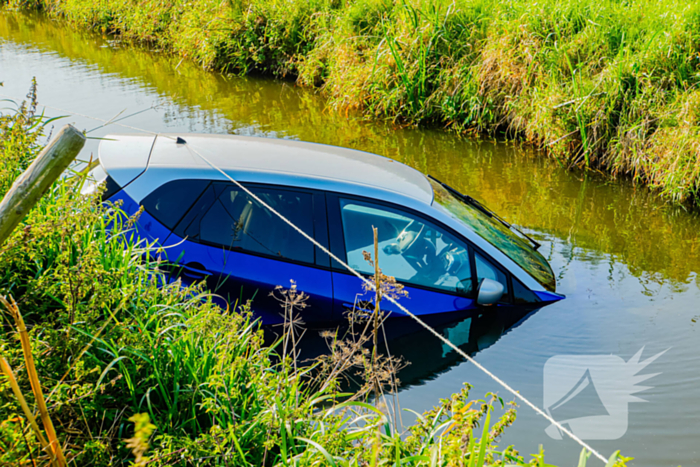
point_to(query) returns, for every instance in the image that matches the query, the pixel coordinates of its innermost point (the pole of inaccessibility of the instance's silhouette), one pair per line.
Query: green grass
(602, 84)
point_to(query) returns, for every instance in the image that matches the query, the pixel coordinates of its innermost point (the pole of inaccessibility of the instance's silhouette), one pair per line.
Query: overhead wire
(113, 121)
(366, 281)
(432, 331)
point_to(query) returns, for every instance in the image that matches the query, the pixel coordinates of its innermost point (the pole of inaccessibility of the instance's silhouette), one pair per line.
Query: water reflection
(429, 357)
(426, 356)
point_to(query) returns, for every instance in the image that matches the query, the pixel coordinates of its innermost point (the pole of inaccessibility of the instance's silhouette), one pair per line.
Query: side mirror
(489, 292)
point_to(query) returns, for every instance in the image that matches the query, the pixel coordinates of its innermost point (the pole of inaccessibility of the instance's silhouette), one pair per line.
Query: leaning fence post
(33, 183)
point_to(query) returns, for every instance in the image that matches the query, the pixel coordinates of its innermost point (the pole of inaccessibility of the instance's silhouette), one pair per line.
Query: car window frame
(511, 283)
(319, 223)
(207, 184)
(337, 241)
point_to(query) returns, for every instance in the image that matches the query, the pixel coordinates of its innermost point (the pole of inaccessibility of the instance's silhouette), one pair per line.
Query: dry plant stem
(22, 402)
(54, 443)
(377, 309)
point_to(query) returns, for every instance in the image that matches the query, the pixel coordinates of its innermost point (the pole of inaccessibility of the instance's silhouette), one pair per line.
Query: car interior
(236, 220)
(410, 249)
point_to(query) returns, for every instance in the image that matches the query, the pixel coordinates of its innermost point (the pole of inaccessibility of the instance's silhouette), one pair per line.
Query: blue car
(452, 254)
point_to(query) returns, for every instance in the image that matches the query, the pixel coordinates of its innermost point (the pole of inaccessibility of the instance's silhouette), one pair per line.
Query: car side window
(411, 249)
(235, 220)
(486, 270)
(169, 203)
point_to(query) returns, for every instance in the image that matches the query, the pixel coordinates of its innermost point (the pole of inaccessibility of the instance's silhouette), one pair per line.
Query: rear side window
(236, 221)
(169, 203)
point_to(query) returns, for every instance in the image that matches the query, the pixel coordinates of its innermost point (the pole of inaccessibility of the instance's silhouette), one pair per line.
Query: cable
(113, 121)
(366, 281)
(404, 309)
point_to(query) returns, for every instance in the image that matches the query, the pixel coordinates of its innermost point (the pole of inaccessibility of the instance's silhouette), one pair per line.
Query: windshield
(497, 234)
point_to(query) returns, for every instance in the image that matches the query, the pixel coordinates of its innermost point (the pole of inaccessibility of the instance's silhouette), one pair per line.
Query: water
(628, 263)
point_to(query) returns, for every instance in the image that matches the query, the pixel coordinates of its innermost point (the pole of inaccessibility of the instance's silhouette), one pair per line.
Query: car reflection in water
(425, 354)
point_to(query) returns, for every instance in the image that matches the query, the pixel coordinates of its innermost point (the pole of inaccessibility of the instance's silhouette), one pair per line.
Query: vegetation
(138, 370)
(609, 85)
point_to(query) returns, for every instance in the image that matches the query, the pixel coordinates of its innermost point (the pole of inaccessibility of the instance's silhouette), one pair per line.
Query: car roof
(280, 161)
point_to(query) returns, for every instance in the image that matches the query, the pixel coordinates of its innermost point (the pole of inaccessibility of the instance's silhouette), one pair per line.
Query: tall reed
(54, 445)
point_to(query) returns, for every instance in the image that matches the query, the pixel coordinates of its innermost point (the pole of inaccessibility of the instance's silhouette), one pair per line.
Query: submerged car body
(451, 254)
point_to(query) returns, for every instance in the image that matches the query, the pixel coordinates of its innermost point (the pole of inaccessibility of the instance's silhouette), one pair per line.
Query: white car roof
(245, 158)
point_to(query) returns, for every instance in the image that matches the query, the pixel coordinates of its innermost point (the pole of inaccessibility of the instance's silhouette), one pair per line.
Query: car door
(436, 267)
(245, 252)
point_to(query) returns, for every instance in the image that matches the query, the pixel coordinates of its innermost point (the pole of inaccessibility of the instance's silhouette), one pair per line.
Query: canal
(627, 262)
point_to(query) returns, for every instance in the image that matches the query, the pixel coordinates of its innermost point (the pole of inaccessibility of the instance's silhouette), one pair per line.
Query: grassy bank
(606, 85)
(137, 371)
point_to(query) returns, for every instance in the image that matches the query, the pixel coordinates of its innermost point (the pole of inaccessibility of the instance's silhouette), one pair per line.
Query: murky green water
(627, 263)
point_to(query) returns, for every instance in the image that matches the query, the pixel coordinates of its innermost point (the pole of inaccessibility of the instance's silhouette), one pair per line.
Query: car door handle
(195, 271)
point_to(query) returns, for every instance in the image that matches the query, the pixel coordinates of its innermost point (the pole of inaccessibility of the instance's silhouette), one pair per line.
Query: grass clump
(605, 85)
(138, 370)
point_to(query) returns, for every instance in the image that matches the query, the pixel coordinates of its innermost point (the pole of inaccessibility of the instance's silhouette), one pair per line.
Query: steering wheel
(407, 239)
(413, 246)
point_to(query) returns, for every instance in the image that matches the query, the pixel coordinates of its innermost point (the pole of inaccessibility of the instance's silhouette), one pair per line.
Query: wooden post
(33, 183)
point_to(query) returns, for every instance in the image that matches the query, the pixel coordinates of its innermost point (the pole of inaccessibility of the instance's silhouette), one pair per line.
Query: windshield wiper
(476, 204)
